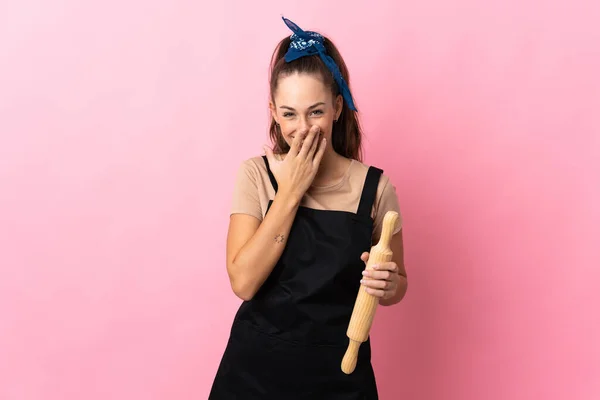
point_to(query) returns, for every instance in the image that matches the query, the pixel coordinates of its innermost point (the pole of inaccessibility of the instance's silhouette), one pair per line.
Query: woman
(304, 217)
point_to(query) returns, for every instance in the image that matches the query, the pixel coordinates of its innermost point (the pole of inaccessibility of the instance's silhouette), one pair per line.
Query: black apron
(288, 341)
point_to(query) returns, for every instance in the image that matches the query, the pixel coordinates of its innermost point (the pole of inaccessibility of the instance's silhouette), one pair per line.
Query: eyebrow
(310, 108)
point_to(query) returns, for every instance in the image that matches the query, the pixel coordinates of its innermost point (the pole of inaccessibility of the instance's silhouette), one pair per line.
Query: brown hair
(347, 133)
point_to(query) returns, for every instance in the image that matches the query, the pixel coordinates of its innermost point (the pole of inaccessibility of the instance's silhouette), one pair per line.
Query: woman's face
(302, 101)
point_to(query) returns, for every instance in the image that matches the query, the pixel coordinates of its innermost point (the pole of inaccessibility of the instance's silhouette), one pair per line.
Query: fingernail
(362, 281)
(375, 266)
(365, 273)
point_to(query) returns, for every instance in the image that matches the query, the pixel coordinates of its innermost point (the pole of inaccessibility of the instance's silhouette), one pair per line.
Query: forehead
(301, 90)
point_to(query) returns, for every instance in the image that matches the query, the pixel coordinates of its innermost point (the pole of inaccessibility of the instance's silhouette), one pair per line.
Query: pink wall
(122, 125)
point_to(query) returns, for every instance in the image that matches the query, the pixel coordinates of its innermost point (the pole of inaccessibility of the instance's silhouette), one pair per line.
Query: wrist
(288, 197)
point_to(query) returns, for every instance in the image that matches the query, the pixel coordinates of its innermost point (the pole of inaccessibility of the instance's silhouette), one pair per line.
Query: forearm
(257, 258)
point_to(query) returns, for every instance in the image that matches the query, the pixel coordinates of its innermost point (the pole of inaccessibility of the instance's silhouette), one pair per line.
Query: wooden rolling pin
(366, 304)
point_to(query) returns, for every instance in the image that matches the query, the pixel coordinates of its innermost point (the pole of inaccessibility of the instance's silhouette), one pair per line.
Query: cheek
(326, 129)
(286, 128)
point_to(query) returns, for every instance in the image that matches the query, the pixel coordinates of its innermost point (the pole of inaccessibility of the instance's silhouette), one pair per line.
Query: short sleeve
(245, 192)
(387, 200)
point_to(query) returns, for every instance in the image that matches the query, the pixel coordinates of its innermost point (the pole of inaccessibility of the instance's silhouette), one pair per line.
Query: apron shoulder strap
(369, 193)
(271, 176)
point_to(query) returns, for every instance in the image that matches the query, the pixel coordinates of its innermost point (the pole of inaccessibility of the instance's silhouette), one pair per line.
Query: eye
(318, 112)
(287, 114)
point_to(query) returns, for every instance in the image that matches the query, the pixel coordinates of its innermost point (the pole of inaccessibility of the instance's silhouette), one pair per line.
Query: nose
(303, 125)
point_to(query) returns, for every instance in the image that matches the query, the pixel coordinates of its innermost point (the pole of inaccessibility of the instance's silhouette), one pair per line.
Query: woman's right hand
(296, 172)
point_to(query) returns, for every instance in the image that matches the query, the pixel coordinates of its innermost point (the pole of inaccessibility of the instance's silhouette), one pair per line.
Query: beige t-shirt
(253, 190)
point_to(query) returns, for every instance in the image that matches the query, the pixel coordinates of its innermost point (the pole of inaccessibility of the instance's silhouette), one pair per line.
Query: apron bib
(288, 341)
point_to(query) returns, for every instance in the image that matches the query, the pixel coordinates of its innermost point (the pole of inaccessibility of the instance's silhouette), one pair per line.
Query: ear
(273, 111)
(339, 104)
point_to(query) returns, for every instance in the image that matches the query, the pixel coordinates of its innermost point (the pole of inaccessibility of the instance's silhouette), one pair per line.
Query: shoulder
(253, 167)
(359, 172)
(254, 163)
(251, 190)
(386, 198)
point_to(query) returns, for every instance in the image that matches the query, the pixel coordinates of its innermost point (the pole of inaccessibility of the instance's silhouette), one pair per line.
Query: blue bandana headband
(307, 43)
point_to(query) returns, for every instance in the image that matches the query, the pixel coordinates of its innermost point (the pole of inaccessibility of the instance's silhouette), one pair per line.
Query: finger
(302, 134)
(376, 292)
(269, 154)
(364, 256)
(319, 156)
(377, 284)
(381, 275)
(386, 266)
(296, 144)
(308, 141)
(314, 146)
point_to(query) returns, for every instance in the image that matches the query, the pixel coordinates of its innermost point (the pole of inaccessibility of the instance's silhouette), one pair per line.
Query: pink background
(122, 124)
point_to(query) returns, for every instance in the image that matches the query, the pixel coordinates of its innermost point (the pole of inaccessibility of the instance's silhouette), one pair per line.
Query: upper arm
(247, 185)
(246, 210)
(397, 247)
(386, 200)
